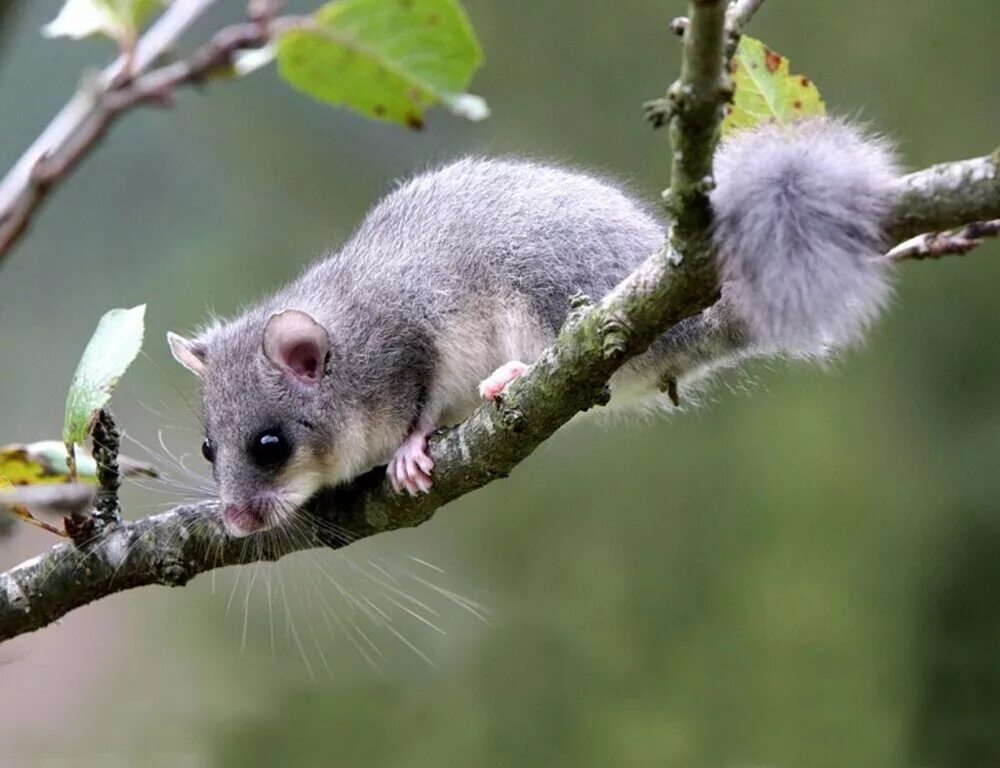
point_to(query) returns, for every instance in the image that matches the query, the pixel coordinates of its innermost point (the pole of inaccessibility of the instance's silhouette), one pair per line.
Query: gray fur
(453, 274)
(797, 228)
(469, 266)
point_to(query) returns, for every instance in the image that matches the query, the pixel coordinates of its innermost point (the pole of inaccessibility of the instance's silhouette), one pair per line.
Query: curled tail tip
(798, 231)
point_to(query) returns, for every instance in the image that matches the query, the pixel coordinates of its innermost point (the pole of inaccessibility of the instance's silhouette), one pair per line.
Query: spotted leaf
(767, 91)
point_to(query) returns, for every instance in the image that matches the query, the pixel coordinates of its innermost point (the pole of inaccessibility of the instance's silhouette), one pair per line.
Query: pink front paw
(410, 467)
(497, 381)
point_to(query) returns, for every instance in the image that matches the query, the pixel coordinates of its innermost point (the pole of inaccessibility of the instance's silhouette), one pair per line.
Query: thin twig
(740, 13)
(155, 88)
(21, 511)
(99, 103)
(164, 32)
(934, 245)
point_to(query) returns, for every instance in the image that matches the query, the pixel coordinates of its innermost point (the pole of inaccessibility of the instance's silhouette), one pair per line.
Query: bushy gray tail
(798, 214)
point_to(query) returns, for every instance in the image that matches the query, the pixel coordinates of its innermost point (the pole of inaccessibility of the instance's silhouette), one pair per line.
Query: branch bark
(696, 104)
(946, 196)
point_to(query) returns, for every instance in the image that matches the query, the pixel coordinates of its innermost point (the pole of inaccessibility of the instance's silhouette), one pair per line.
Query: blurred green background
(805, 571)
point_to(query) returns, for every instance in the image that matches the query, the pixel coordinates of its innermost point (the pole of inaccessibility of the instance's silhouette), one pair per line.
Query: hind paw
(496, 382)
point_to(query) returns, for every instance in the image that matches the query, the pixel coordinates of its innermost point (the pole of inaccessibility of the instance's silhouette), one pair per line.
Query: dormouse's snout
(242, 520)
(250, 499)
(260, 381)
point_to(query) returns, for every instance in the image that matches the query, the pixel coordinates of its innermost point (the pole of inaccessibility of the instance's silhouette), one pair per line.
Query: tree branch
(569, 377)
(80, 125)
(740, 12)
(696, 103)
(934, 245)
(946, 196)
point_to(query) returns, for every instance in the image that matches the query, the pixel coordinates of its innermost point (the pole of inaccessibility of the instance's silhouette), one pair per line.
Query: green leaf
(117, 19)
(766, 90)
(387, 59)
(110, 351)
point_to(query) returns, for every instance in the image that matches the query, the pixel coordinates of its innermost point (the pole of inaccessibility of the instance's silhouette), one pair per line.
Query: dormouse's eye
(208, 450)
(270, 448)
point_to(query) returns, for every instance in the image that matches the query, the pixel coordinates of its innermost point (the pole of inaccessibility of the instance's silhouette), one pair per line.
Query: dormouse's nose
(242, 519)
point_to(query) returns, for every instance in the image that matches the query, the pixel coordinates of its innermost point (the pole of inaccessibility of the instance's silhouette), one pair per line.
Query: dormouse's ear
(297, 345)
(191, 354)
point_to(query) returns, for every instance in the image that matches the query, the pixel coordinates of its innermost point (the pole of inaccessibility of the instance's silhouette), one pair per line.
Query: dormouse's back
(495, 225)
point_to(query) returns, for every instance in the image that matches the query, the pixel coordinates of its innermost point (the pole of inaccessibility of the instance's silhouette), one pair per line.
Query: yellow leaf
(44, 463)
(767, 91)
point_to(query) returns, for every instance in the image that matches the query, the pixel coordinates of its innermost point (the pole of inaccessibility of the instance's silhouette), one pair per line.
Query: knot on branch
(679, 96)
(80, 528)
(171, 571)
(579, 303)
(658, 111)
(616, 336)
(45, 172)
(511, 418)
